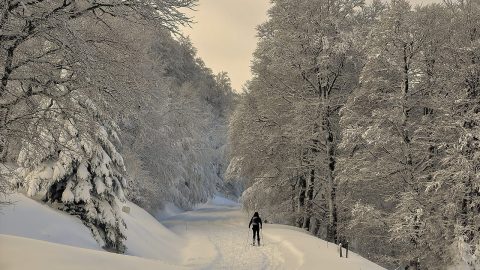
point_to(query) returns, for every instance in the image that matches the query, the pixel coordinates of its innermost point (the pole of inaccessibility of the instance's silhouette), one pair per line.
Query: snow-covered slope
(27, 218)
(17, 253)
(148, 238)
(213, 236)
(313, 253)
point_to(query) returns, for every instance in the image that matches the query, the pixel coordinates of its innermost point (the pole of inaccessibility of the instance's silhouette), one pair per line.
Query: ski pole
(261, 234)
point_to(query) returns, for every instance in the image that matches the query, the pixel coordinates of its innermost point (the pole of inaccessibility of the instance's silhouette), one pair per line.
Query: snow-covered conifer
(79, 171)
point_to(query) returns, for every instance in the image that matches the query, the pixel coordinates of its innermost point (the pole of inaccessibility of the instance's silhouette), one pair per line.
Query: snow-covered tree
(66, 72)
(384, 157)
(177, 137)
(454, 187)
(386, 128)
(402, 129)
(82, 172)
(285, 133)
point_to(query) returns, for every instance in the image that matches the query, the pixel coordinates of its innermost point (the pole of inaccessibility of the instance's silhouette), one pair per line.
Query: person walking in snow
(256, 223)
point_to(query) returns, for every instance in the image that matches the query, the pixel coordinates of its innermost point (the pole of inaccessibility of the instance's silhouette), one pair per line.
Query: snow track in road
(219, 239)
(233, 244)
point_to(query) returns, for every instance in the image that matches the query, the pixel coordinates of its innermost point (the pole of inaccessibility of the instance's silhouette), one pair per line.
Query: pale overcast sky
(225, 34)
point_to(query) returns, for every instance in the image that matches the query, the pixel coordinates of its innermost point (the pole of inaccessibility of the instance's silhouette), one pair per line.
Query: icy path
(219, 238)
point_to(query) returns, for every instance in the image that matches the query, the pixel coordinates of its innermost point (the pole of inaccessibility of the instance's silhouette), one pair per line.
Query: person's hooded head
(256, 214)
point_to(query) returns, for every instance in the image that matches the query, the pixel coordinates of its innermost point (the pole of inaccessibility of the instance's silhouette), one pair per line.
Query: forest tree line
(361, 124)
(104, 101)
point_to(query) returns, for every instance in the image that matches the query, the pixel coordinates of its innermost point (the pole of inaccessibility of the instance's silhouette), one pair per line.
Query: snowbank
(146, 237)
(169, 210)
(309, 252)
(31, 219)
(17, 253)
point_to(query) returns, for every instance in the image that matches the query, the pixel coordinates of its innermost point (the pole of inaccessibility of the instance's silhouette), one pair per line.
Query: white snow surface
(26, 253)
(219, 238)
(212, 236)
(30, 219)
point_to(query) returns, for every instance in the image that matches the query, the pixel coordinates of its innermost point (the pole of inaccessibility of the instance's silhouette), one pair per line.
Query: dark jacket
(255, 221)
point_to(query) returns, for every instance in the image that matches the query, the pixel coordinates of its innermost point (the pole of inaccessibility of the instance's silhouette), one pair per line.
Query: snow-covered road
(219, 238)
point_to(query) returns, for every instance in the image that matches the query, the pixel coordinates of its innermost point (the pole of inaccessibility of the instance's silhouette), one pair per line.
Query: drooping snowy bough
(81, 172)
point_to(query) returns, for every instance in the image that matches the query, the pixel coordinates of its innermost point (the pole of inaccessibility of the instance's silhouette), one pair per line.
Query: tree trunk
(3, 151)
(3, 140)
(292, 197)
(302, 184)
(309, 203)
(316, 227)
(405, 107)
(332, 230)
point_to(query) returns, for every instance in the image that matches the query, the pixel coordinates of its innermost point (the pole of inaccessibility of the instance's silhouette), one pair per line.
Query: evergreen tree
(82, 172)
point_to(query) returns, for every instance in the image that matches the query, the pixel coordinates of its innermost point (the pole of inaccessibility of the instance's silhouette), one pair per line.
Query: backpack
(255, 221)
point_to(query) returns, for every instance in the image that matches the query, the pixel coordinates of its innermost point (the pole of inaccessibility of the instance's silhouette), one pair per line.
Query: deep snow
(67, 244)
(17, 253)
(28, 218)
(212, 236)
